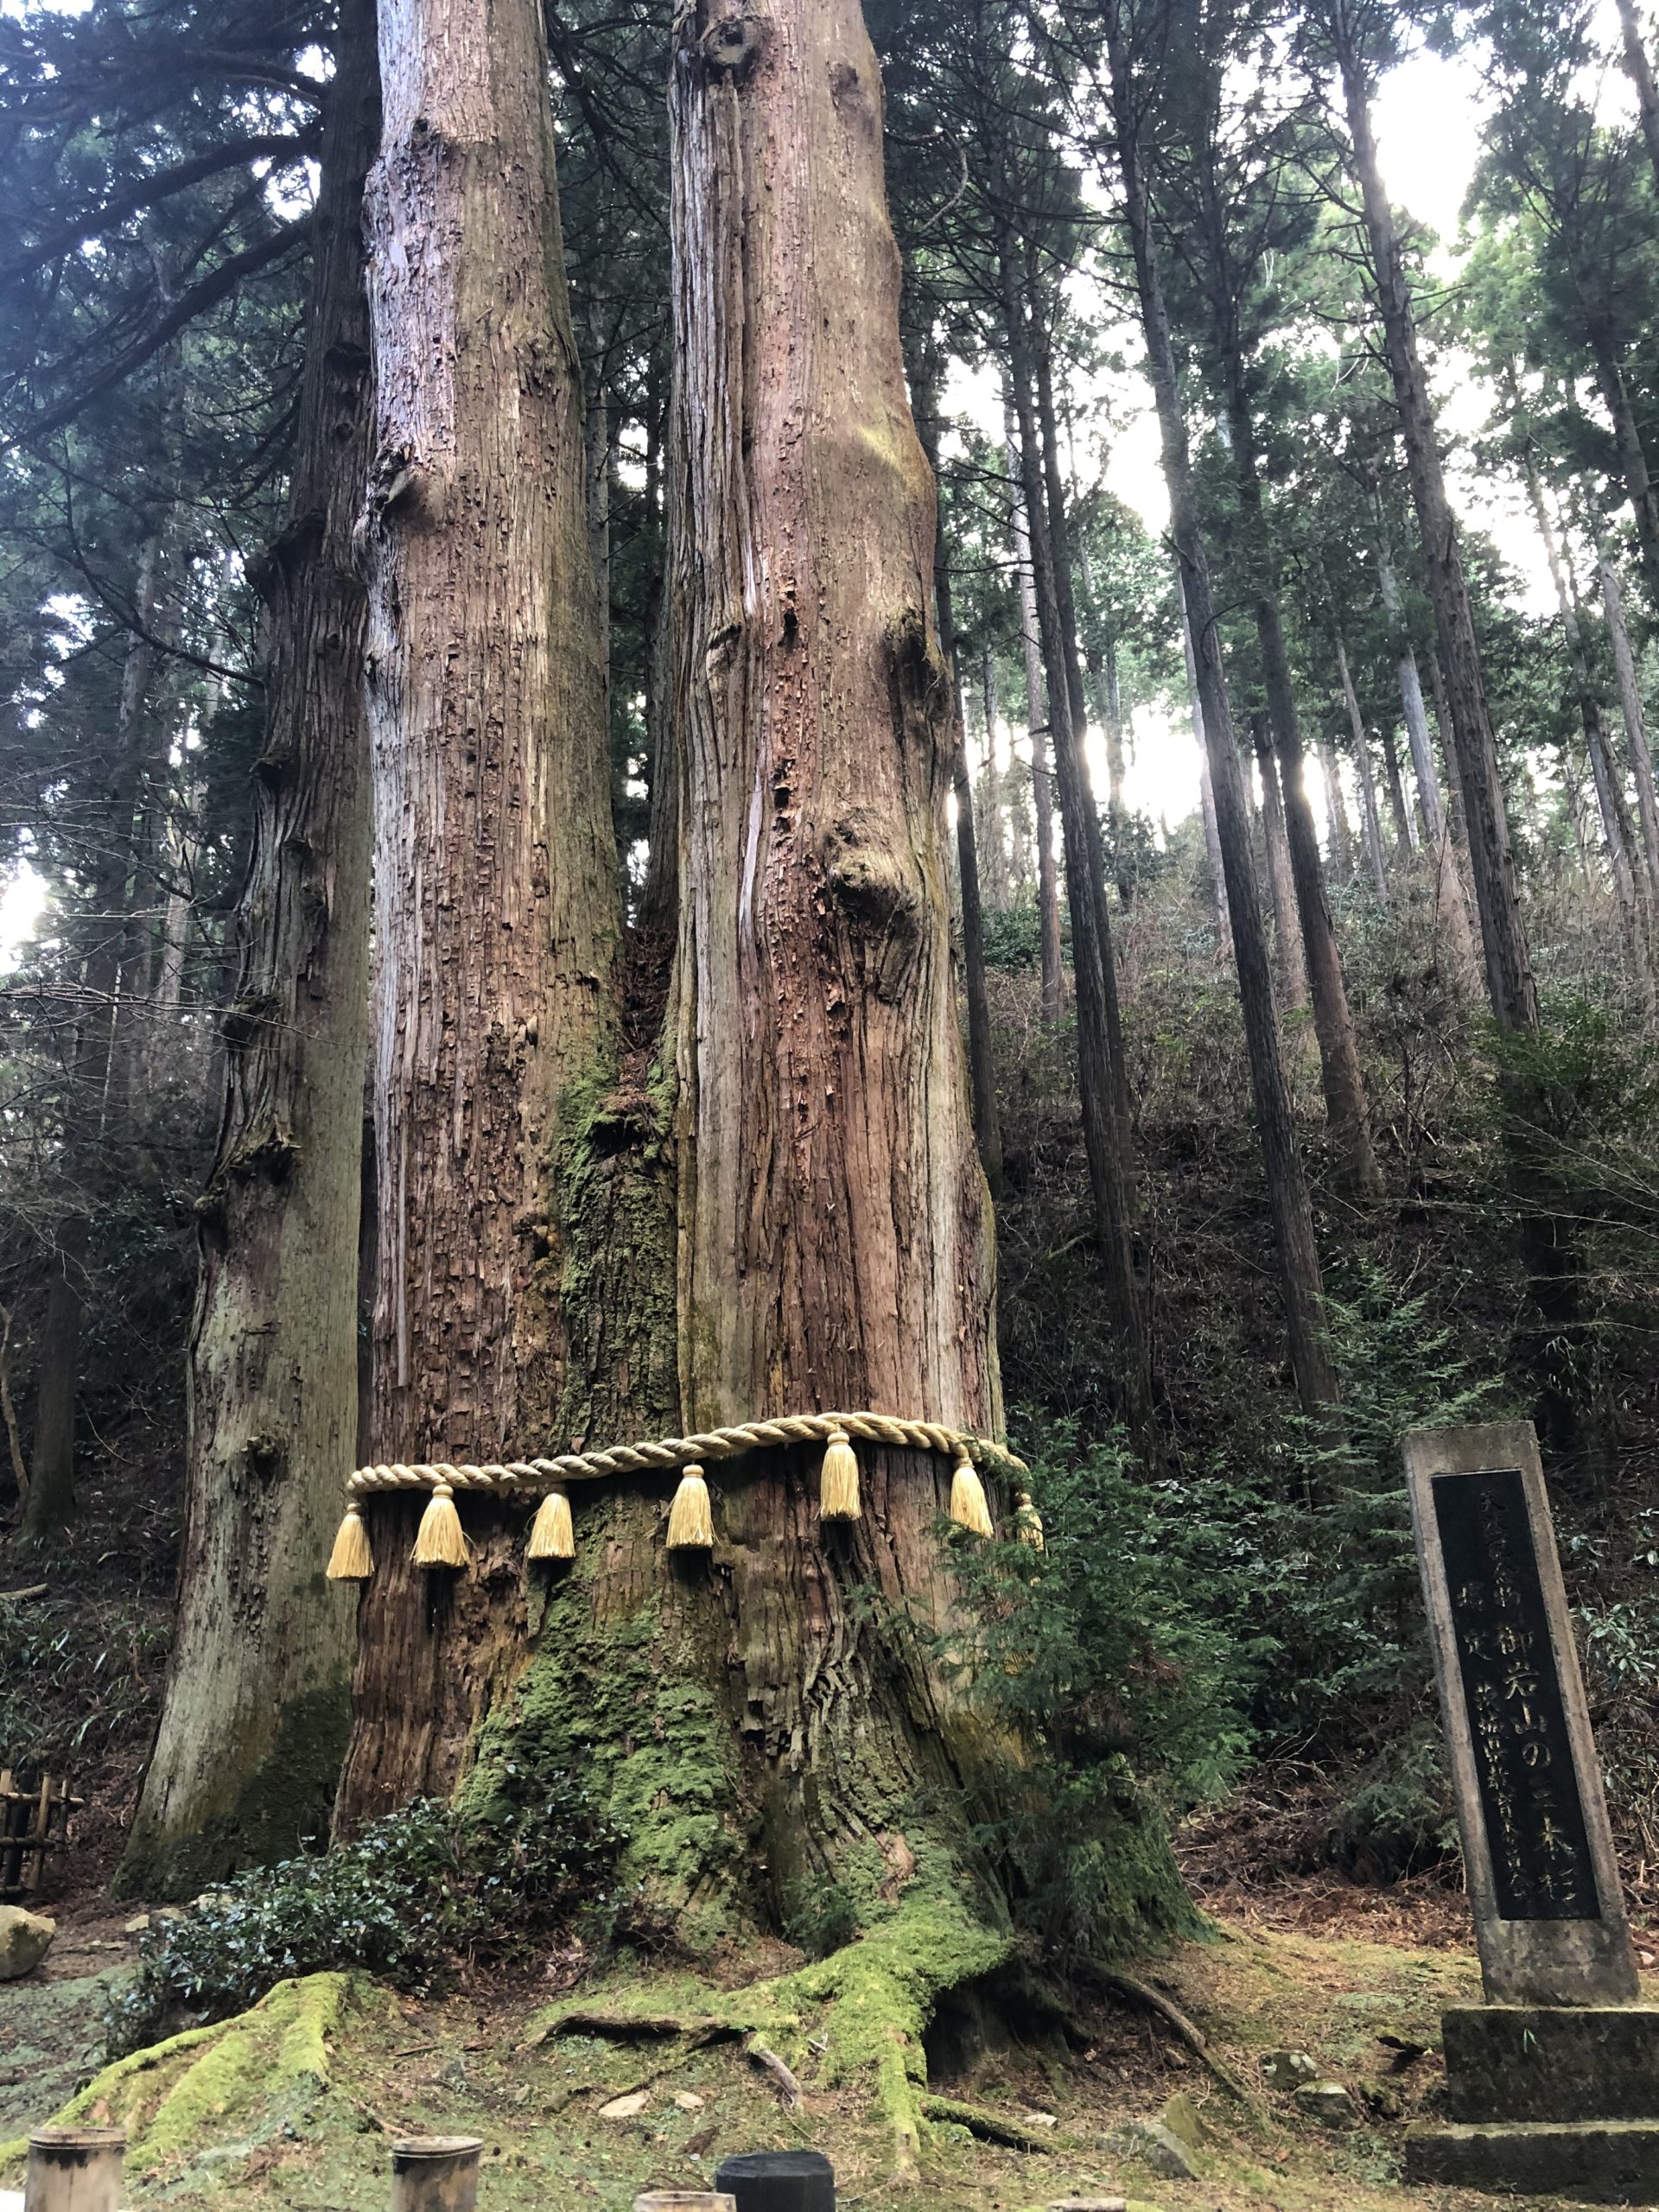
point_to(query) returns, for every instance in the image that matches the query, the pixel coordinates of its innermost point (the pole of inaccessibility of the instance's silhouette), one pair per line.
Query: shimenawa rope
(441, 1542)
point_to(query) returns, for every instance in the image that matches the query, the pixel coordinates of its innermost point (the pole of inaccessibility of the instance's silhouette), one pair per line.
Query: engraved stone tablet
(1549, 1917)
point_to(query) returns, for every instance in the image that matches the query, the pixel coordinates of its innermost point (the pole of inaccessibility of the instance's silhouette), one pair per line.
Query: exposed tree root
(990, 2126)
(769, 2062)
(1151, 2000)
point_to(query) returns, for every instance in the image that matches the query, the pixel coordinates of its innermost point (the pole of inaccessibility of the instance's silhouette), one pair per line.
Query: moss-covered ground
(291, 2107)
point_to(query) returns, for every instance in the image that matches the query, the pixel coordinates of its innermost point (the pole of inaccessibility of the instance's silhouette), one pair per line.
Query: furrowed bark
(835, 1229)
(1286, 929)
(498, 921)
(255, 1717)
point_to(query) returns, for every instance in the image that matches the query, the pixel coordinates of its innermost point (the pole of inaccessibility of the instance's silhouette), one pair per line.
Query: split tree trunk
(1509, 961)
(498, 918)
(1339, 836)
(1370, 825)
(256, 1714)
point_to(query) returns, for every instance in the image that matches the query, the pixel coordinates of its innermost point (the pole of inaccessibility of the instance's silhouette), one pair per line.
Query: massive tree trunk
(1509, 961)
(255, 1718)
(498, 920)
(1287, 1195)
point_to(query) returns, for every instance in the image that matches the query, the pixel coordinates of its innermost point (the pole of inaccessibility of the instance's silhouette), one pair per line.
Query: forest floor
(297, 2111)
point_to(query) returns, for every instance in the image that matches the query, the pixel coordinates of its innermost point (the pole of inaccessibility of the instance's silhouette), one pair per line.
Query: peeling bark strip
(498, 913)
(256, 1711)
(835, 1233)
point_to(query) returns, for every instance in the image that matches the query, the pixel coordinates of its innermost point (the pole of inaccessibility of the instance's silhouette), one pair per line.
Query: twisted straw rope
(671, 1452)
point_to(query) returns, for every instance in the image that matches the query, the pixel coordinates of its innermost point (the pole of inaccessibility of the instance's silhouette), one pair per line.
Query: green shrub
(411, 1898)
(1128, 1699)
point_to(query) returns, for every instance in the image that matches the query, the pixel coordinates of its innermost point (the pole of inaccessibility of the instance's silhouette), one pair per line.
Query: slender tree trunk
(1206, 791)
(1640, 70)
(993, 807)
(1344, 1087)
(1630, 701)
(1078, 802)
(982, 1071)
(256, 1713)
(1640, 488)
(1449, 906)
(1102, 1080)
(51, 1503)
(1405, 831)
(1038, 725)
(1609, 800)
(1286, 928)
(1364, 782)
(497, 908)
(1293, 1216)
(1509, 963)
(1340, 836)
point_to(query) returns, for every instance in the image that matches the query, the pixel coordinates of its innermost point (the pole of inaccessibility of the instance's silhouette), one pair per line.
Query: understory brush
(414, 1896)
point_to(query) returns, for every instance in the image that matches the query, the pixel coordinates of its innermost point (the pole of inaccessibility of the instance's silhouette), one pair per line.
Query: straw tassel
(439, 1541)
(552, 1534)
(690, 1523)
(838, 1482)
(351, 1561)
(1027, 1521)
(968, 1506)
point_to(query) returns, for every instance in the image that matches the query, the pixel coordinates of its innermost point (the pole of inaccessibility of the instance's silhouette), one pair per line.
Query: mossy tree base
(246, 2079)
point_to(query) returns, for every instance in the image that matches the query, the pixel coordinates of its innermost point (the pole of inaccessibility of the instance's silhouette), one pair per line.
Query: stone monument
(1552, 2084)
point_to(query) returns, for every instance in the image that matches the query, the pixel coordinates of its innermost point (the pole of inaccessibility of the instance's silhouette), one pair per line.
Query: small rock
(1039, 2119)
(212, 1900)
(25, 1939)
(1164, 2152)
(1288, 2069)
(628, 2107)
(1180, 2117)
(688, 2100)
(1089, 2204)
(1328, 2102)
(136, 1925)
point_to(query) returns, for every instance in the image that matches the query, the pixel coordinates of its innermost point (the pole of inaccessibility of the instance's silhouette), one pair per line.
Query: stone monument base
(1597, 2161)
(1546, 2099)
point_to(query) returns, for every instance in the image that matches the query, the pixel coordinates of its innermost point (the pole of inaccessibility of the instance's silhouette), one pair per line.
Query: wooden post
(435, 2173)
(75, 2170)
